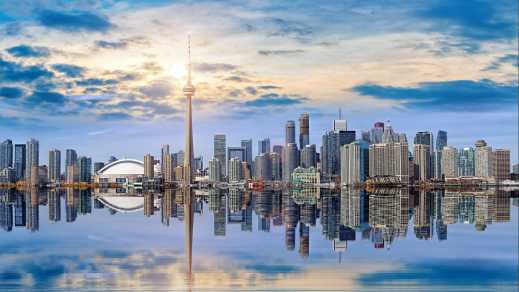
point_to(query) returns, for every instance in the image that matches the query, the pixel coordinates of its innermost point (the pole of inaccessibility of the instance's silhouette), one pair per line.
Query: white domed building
(123, 171)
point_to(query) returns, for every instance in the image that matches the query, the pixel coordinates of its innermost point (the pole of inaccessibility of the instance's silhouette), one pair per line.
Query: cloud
(156, 89)
(96, 82)
(274, 99)
(213, 67)
(236, 78)
(111, 45)
(74, 21)
(279, 52)
(292, 29)
(115, 116)
(11, 92)
(456, 95)
(11, 71)
(26, 51)
(46, 97)
(69, 69)
(500, 61)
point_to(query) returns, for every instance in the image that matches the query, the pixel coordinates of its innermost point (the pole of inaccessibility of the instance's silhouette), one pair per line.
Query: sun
(178, 70)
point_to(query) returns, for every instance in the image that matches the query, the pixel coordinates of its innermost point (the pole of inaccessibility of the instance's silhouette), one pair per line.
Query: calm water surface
(314, 240)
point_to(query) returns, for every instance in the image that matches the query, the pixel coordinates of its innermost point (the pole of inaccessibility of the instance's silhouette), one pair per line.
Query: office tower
(340, 125)
(178, 158)
(426, 138)
(466, 157)
(189, 92)
(164, 152)
(389, 160)
(245, 169)
(365, 136)
(290, 160)
(501, 164)
(198, 163)
(85, 169)
(354, 162)
(263, 146)
(169, 169)
(402, 138)
(98, 166)
(234, 170)
(19, 160)
(422, 160)
(54, 165)
(6, 154)
(215, 170)
(32, 157)
(449, 163)
(441, 141)
(275, 161)
(304, 130)
(149, 161)
(515, 168)
(72, 173)
(263, 167)
(290, 132)
(389, 135)
(236, 152)
(247, 145)
(483, 159)
(179, 173)
(330, 151)
(377, 132)
(308, 156)
(219, 151)
(71, 157)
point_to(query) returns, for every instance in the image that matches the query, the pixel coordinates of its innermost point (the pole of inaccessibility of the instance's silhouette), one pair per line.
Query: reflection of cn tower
(188, 231)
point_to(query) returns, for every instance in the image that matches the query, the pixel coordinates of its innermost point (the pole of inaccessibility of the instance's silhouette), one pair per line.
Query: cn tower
(189, 91)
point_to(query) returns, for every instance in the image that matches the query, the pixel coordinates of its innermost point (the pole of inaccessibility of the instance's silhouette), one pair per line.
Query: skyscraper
(466, 157)
(236, 152)
(449, 164)
(340, 125)
(263, 167)
(422, 160)
(290, 132)
(264, 146)
(164, 152)
(32, 158)
(304, 130)
(483, 159)
(389, 159)
(235, 170)
(19, 160)
(275, 161)
(501, 164)
(354, 162)
(290, 160)
(6, 154)
(85, 169)
(149, 161)
(219, 151)
(426, 138)
(308, 156)
(215, 169)
(189, 91)
(376, 133)
(441, 141)
(54, 165)
(247, 145)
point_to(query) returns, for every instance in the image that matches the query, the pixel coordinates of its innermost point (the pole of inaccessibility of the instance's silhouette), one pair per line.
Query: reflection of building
(305, 177)
(388, 215)
(54, 203)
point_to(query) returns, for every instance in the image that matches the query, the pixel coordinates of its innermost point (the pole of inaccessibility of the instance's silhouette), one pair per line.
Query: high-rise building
(389, 136)
(365, 136)
(32, 157)
(164, 152)
(54, 165)
(354, 162)
(234, 170)
(422, 160)
(290, 132)
(6, 154)
(168, 174)
(263, 146)
(426, 138)
(501, 164)
(19, 160)
(215, 168)
(330, 151)
(70, 157)
(263, 167)
(236, 152)
(149, 162)
(376, 133)
(290, 160)
(449, 164)
(247, 145)
(85, 168)
(466, 160)
(275, 161)
(441, 141)
(219, 151)
(246, 170)
(483, 159)
(308, 156)
(389, 159)
(198, 163)
(304, 130)
(340, 125)
(72, 174)
(98, 166)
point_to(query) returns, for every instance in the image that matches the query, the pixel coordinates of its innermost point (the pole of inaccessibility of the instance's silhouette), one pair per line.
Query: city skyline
(102, 100)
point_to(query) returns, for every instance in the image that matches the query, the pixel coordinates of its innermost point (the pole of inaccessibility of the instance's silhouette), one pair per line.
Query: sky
(106, 77)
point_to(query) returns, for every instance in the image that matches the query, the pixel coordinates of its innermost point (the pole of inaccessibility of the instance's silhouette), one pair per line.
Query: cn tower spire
(189, 59)
(189, 92)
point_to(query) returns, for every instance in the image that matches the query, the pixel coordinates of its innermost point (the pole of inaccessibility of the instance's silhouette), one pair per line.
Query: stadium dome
(123, 167)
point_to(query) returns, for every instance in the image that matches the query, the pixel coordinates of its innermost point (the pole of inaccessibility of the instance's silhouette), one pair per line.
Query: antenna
(189, 59)
(340, 113)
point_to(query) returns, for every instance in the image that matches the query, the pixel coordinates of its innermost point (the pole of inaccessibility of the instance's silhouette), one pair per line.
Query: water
(311, 240)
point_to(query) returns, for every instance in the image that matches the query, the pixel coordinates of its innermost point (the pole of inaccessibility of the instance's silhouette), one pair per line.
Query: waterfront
(273, 240)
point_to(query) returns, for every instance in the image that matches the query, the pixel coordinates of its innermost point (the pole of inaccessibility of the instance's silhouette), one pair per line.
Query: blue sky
(106, 77)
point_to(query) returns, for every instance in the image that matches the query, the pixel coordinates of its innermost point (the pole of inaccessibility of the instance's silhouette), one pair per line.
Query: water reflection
(379, 218)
